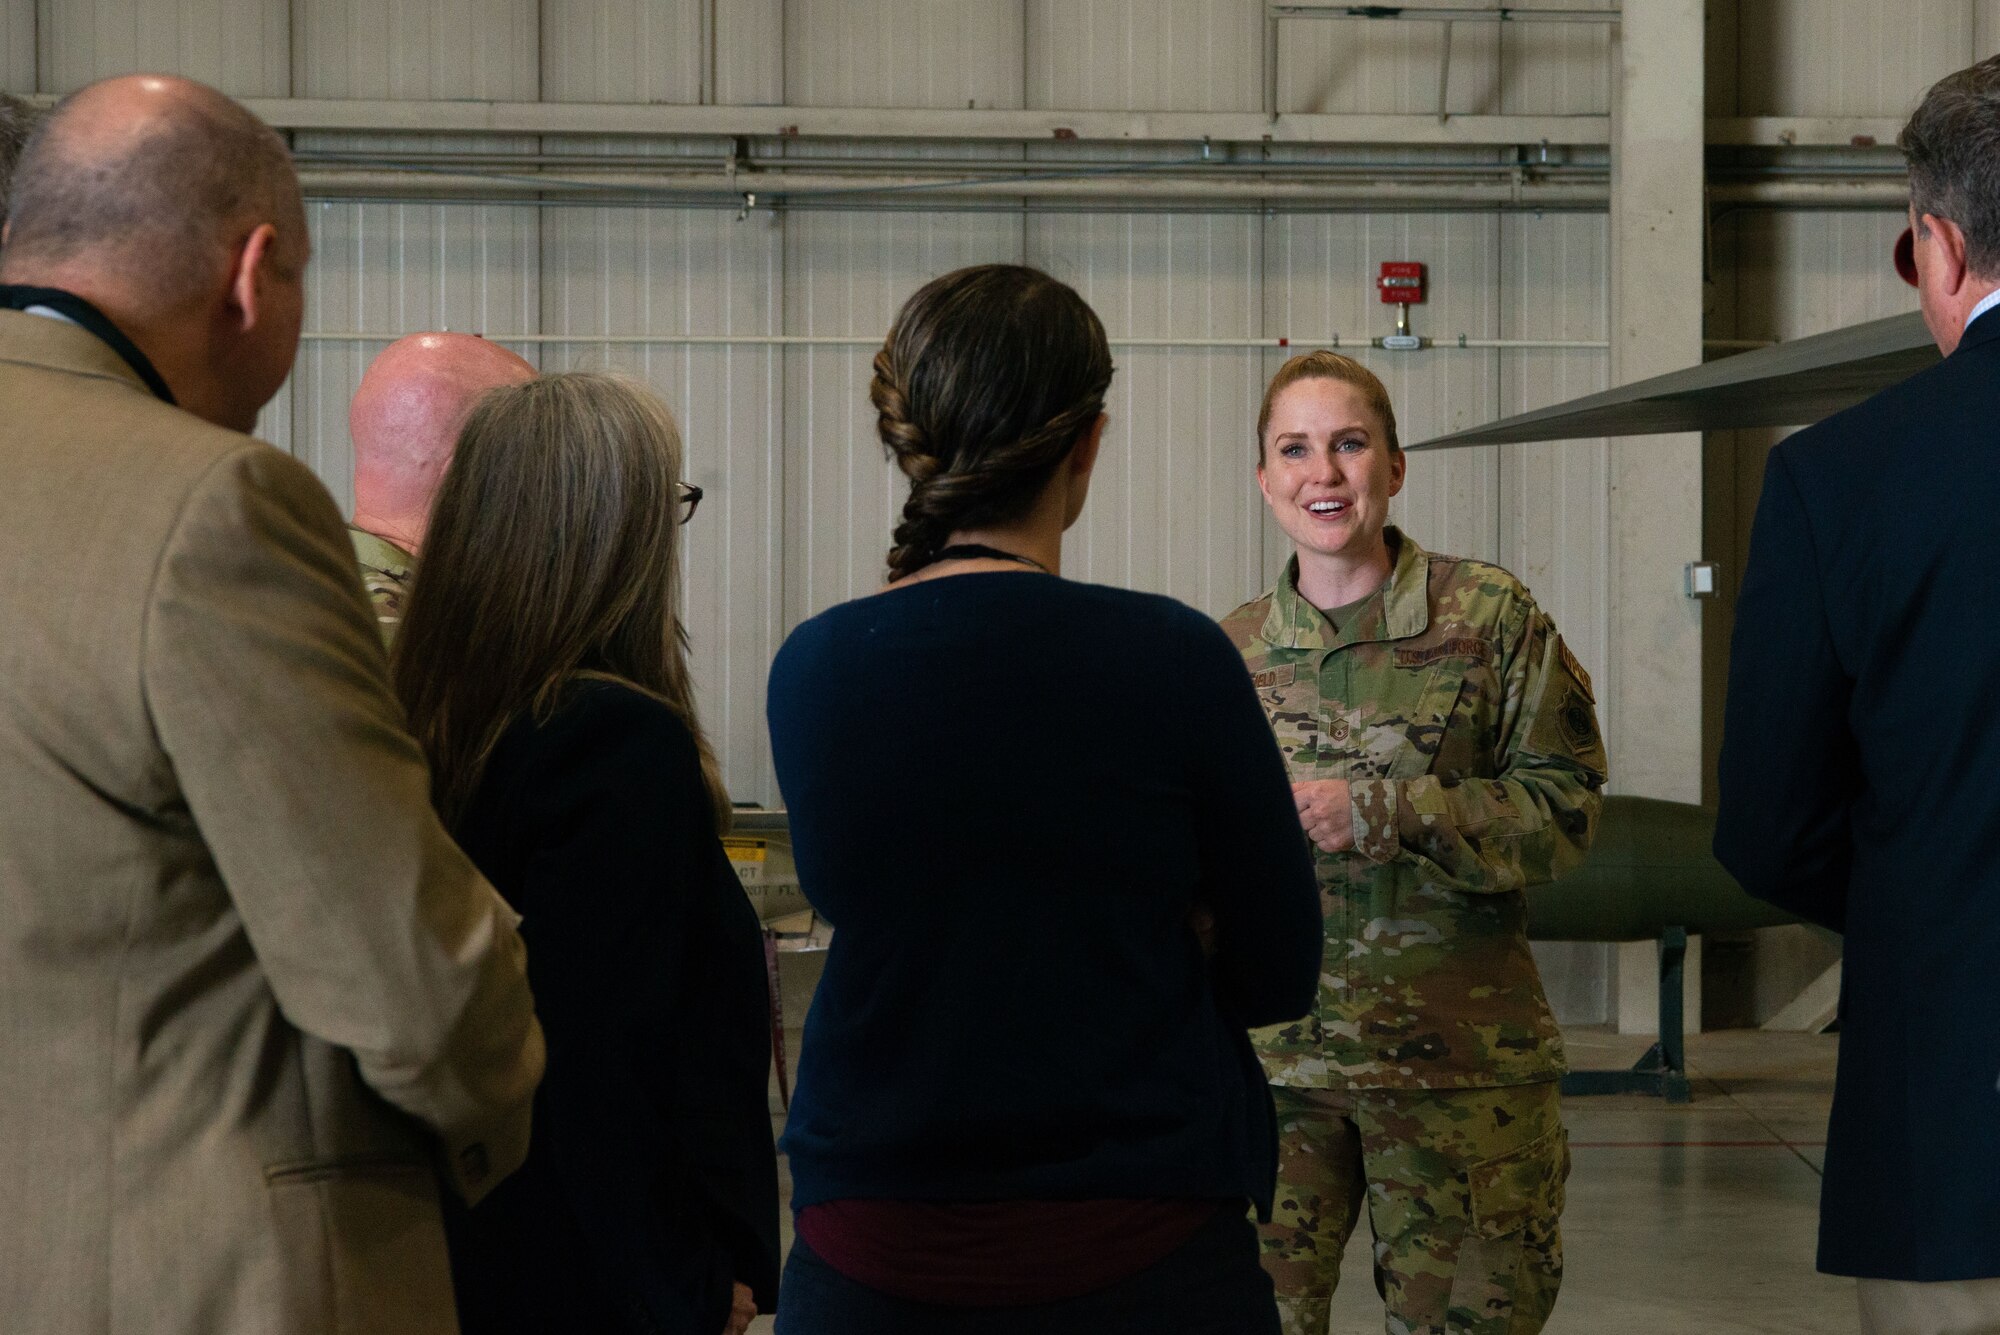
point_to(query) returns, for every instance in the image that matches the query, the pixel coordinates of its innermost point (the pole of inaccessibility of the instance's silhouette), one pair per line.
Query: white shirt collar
(1992, 300)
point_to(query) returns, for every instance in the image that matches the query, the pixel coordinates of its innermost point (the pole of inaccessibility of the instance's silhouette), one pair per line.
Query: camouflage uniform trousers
(1464, 1190)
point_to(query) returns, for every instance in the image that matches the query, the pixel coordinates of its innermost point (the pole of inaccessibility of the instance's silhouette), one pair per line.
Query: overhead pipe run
(1884, 193)
(745, 163)
(857, 341)
(767, 190)
(1341, 9)
(1134, 192)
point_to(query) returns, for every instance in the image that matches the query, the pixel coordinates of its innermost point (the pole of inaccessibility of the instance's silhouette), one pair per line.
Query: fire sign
(1401, 283)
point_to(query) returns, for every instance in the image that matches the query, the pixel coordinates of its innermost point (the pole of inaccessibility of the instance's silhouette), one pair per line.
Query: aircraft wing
(1789, 384)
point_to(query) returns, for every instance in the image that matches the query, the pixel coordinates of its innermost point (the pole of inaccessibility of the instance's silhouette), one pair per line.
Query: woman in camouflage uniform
(1444, 755)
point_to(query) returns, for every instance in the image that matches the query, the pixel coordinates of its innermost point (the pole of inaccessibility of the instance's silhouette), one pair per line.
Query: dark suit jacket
(1860, 786)
(651, 1181)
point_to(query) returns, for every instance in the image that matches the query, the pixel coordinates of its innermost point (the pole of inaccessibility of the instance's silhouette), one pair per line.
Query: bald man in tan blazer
(252, 998)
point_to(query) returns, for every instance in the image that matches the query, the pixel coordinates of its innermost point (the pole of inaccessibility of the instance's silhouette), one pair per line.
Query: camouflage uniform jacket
(1467, 735)
(385, 572)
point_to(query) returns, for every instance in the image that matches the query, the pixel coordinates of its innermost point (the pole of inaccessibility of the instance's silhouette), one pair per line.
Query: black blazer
(1860, 788)
(651, 1182)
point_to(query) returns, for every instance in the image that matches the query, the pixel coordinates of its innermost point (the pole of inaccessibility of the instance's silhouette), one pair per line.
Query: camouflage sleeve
(1534, 819)
(385, 595)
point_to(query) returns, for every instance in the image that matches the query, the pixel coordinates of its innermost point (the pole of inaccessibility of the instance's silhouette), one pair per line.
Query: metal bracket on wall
(1443, 14)
(1444, 70)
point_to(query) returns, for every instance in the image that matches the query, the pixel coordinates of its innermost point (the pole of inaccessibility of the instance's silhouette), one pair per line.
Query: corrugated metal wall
(784, 437)
(801, 500)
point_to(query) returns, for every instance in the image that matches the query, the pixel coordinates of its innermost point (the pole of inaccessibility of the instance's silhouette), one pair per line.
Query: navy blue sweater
(1007, 793)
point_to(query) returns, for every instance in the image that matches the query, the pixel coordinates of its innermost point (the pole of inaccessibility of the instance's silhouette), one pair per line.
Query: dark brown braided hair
(988, 379)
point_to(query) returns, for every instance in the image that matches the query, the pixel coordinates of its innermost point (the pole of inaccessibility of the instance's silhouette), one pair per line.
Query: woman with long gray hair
(542, 662)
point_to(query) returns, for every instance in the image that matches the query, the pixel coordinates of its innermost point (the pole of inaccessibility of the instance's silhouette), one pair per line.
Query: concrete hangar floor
(1698, 1218)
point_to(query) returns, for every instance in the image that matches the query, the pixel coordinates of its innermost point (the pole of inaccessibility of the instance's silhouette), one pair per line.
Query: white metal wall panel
(623, 51)
(432, 49)
(1555, 518)
(903, 53)
(17, 46)
(627, 51)
(846, 274)
(393, 269)
(1800, 273)
(1145, 55)
(242, 47)
(636, 271)
(1371, 66)
(1320, 281)
(1851, 57)
(1555, 69)
(1173, 505)
(750, 52)
(1985, 29)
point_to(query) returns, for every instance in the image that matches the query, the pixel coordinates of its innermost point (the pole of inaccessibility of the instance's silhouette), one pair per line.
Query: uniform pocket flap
(1523, 1185)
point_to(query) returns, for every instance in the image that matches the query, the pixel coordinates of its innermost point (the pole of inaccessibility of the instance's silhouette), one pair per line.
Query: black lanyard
(979, 551)
(14, 297)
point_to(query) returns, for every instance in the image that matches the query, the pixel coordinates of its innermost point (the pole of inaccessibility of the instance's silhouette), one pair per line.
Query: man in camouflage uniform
(1425, 1079)
(404, 422)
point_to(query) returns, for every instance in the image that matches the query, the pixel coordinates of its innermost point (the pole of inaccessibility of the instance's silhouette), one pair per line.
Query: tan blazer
(242, 968)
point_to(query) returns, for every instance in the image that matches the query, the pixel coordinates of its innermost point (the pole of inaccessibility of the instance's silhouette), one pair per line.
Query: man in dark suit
(1860, 771)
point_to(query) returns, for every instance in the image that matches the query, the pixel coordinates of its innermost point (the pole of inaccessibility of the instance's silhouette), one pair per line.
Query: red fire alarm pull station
(1402, 282)
(1401, 285)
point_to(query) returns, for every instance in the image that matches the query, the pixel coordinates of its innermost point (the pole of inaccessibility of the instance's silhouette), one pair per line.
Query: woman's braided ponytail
(988, 379)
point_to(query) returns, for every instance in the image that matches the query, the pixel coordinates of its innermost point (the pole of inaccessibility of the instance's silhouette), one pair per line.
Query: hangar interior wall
(801, 501)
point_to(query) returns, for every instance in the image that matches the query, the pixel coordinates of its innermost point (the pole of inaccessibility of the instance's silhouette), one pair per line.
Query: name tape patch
(1477, 650)
(1277, 676)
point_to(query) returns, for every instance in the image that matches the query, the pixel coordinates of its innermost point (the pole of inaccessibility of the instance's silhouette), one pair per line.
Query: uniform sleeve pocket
(1445, 734)
(1513, 1191)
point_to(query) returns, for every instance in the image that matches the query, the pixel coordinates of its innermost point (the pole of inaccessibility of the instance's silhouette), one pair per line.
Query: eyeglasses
(690, 499)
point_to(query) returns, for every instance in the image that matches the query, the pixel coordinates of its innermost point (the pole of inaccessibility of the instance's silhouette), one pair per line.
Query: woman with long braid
(1054, 836)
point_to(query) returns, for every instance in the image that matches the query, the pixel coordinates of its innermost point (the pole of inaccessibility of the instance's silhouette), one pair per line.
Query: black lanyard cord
(14, 297)
(979, 551)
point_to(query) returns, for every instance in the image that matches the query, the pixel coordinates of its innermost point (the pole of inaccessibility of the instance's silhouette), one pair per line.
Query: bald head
(405, 418)
(148, 182)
